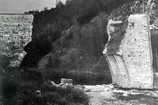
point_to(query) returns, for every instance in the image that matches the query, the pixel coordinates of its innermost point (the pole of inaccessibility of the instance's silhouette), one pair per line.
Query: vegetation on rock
(71, 40)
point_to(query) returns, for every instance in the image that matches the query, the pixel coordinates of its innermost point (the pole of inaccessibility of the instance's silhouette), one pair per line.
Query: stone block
(66, 82)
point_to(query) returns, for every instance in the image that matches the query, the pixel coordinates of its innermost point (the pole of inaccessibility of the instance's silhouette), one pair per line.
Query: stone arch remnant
(129, 52)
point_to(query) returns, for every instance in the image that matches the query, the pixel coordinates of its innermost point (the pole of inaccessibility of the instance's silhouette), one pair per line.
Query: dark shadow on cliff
(72, 38)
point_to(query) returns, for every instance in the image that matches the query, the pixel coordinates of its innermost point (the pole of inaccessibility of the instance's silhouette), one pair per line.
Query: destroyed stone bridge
(131, 49)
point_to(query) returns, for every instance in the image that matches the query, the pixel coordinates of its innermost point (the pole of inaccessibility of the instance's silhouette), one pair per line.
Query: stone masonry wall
(15, 33)
(137, 51)
(131, 61)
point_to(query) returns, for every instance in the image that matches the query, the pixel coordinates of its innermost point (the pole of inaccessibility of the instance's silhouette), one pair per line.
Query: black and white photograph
(78, 52)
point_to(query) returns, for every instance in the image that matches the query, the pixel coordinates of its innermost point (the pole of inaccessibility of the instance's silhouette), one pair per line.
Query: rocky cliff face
(79, 51)
(70, 39)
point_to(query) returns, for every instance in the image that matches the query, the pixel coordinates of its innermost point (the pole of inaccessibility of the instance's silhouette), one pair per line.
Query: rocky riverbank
(109, 95)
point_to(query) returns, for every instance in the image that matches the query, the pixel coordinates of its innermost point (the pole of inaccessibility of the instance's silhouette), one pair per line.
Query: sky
(20, 6)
